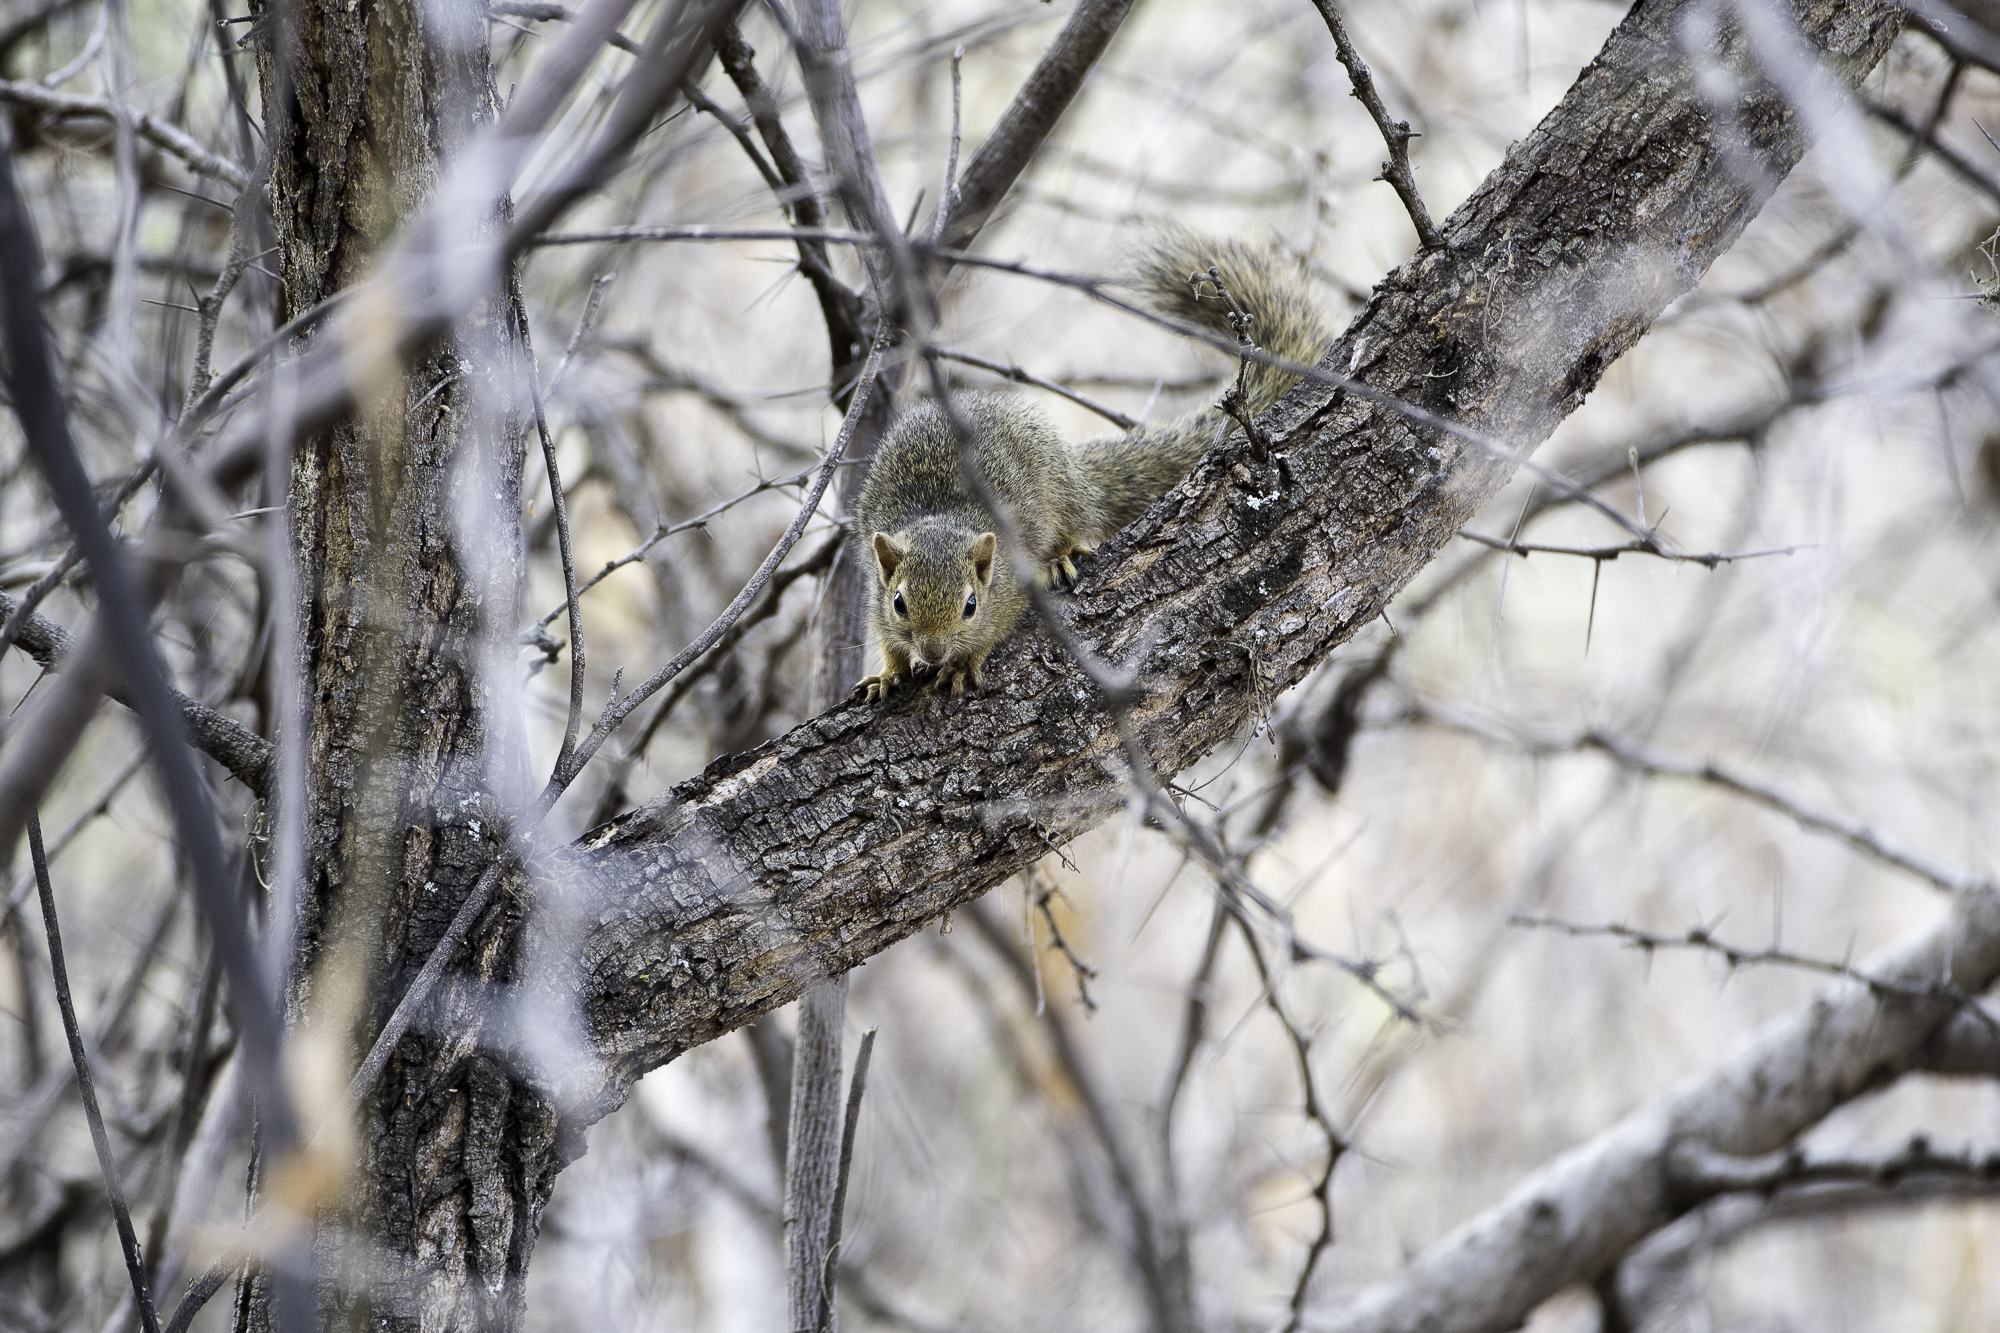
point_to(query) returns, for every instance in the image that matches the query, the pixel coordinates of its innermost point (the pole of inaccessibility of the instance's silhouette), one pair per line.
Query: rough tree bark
(777, 869)
(406, 520)
(796, 861)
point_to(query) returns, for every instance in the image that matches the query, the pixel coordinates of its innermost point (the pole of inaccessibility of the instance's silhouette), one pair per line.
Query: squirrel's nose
(933, 651)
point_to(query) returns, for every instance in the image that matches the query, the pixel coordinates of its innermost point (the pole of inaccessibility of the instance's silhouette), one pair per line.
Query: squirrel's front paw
(963, 680)
(876, 688)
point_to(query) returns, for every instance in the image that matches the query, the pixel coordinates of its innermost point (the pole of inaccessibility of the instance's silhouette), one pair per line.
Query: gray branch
(778, 868)
(1574, 1218)
(222, 738)
(1031, 118)
(171, 138)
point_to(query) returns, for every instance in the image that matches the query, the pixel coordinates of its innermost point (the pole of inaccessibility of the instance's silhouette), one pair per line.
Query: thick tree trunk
(406, 518)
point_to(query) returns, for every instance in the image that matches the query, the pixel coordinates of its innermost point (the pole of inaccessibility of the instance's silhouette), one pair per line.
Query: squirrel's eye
(901, 609)
(971, 604)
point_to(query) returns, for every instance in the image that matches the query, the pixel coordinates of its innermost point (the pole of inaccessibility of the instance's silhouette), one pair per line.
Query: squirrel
(945, 592)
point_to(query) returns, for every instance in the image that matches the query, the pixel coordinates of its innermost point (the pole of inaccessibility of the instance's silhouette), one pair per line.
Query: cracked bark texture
(406, 519)
(779, 868)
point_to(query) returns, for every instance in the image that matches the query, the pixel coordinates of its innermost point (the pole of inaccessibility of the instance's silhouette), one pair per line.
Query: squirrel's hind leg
(1062, 566)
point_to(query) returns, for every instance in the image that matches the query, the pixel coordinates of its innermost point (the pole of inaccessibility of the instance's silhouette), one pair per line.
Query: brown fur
(931, 543)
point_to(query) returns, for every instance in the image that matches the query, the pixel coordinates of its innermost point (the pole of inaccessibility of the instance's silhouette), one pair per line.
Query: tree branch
(171, 139)
(1031, 118)
(791, 863)
(1574, 1218)
(1396, 134)
(222, 738)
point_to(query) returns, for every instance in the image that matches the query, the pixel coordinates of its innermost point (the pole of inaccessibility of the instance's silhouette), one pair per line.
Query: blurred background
(1091, 1083)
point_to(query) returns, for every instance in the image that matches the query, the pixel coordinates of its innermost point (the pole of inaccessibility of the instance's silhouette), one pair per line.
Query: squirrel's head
(934, 589)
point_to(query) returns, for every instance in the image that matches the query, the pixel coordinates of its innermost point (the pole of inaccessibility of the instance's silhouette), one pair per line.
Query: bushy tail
(1133, 470)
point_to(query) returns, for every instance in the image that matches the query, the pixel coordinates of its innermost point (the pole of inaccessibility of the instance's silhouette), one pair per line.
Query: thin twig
(1605, 554)
(817, 563)
(1315, 1111)
(1144, 1248)
(1647, 759)
(1043, 888)
(1020, 376)
(820, 42)
(405, 1013)
(948, 197)
(128, 1240)
(209, 306)
(200, 1291)
(547, 11)
(739, 132)
(195, 1071)
(620, 709)
(583, 327)
(1702, 1170)
(1038, 106)
(839, 306)
(666, 530)
(1944, 152)
(560, 506)
(1702, 939)
(1395, 133)
(856, 1086)
(1235, 403)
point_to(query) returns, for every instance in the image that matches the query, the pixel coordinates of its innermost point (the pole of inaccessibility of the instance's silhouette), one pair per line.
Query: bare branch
(1316, 1112)
(1647, 759)
(1571, 1220)
(1702, 939)
(821, 42)
(1141, 1225)
(1702, 1170)
(1606, 554)
(1031, 118)
(222, 738)
(547, 11)
(559, 505)
(1020, 376)
(1395, 133)
(840, 307)
(1926, 136)
(128, 1240)
(856, 1086)
(70, 106)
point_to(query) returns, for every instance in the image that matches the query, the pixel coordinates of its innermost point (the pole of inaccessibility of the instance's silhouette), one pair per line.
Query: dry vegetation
(1714, 755)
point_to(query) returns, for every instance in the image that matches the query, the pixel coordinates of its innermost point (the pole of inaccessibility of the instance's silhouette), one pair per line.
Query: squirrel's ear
(889, 554)
(982, 556)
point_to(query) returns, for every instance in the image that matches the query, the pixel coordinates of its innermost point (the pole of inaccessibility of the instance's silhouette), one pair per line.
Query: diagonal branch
(1031, 118)
(1395, 133)
(791, 863)
(1571, 1220)
(222, 738)
(171, 139)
